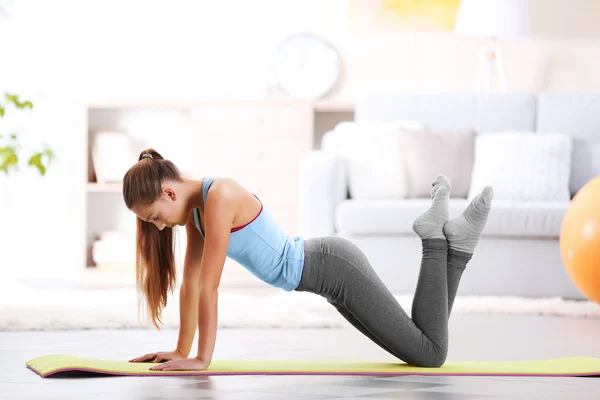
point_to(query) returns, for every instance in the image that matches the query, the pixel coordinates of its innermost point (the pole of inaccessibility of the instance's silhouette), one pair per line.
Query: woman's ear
(169, 193)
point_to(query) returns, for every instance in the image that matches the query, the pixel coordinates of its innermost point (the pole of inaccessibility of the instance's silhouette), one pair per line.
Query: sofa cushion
(371, 151)
(523, 166)
(395, 217)
(427, 154)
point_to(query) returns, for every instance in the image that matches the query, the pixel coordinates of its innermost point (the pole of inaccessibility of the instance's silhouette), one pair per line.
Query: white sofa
(519, 253)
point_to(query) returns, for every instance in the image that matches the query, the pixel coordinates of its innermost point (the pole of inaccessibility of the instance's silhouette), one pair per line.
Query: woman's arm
(219, 214)
(189, 293)
(220, 210)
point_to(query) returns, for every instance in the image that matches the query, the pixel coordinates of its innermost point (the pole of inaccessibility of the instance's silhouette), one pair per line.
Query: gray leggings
(338, 270)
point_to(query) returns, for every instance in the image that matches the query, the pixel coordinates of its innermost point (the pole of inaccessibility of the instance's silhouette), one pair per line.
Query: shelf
(104, 188)
(181, 105)
(333, 106)
(122, 104)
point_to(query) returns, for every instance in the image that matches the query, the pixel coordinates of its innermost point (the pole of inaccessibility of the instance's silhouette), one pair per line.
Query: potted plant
(10, 148)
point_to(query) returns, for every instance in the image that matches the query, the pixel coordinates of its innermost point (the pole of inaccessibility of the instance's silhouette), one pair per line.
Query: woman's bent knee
(434, 360)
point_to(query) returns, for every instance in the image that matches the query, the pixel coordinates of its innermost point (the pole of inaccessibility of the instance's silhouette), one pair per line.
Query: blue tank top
(263, 248)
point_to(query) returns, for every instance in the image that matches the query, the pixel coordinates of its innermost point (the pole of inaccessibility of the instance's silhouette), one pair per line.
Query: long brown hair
(155, 260)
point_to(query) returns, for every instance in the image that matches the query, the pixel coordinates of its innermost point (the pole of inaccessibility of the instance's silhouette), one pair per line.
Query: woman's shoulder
(228, 191)
(222, 186)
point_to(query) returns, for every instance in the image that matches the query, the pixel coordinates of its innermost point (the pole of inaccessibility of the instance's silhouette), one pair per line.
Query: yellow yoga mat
(574, 366)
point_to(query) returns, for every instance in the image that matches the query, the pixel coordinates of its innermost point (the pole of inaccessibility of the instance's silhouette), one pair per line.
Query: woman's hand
(160, 356)
(182, 365)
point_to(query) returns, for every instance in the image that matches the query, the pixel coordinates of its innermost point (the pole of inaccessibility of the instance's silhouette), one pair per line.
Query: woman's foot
(464, 231)
(430, 224)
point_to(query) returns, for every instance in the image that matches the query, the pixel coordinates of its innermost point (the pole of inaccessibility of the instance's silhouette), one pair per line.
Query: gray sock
(430, 224)
(464, 231)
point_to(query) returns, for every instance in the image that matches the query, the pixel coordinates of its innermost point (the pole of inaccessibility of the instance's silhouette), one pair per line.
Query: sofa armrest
(322, 186)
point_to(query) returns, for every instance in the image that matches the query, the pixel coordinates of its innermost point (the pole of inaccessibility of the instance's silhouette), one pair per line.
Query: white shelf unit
(257, 143)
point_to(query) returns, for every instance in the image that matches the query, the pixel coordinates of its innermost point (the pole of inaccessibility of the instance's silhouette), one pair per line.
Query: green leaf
(7, 150)
(42, 160)
(36, 161)
(11, 98)
(14, 98)
(8, 154)
(8, 159)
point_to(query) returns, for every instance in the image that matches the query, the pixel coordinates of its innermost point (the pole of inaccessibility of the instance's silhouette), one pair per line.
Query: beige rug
(26, 308)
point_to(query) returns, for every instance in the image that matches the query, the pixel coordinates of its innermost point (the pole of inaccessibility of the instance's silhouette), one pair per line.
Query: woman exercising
(224, 219)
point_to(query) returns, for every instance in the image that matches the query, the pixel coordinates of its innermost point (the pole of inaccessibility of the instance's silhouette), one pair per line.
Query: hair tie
(147, 155)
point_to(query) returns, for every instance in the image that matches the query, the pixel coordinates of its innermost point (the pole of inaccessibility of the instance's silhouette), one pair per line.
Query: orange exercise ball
(580, 240)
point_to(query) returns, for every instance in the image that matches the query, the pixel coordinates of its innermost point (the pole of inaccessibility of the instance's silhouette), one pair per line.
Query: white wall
(59, 53)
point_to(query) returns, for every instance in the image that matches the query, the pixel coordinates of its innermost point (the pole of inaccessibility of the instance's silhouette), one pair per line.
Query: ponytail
(155, 260)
